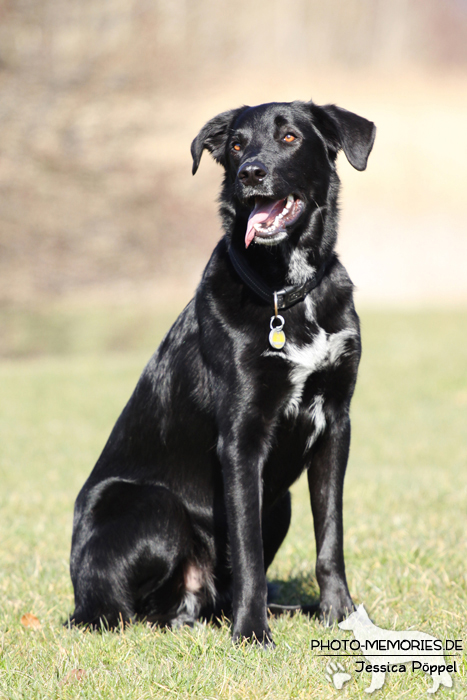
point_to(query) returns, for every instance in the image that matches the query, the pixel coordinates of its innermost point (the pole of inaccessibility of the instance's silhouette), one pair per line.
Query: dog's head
(279, 160)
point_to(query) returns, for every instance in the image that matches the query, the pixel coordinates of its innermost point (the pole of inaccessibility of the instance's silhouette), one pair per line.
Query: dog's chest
(324, 354)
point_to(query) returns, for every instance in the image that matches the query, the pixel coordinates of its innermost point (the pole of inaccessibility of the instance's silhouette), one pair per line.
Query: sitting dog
(189, 501)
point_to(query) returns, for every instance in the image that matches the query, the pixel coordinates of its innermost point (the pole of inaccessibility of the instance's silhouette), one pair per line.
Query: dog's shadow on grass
(297, 594)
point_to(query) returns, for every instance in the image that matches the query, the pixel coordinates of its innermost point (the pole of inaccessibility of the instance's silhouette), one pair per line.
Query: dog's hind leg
(132, 548)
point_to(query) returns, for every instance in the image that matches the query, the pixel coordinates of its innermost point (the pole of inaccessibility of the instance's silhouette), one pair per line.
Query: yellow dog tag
(277, 339)
(277, 335)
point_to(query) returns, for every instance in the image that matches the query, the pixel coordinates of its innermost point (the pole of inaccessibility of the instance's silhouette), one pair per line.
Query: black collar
(287, 296)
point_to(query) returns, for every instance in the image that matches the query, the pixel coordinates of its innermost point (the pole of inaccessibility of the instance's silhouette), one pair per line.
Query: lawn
(405, 518)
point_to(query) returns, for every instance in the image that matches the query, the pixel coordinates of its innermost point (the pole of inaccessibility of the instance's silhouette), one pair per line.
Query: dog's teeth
(290, 200)
(284, 211)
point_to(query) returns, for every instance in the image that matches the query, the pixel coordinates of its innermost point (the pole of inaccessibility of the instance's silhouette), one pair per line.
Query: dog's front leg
(326, 482)
(242, 471)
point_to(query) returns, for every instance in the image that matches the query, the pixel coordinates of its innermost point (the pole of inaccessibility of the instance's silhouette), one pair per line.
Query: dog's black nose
(252, 173)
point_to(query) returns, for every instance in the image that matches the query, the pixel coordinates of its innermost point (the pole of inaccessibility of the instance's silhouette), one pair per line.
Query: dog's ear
(213, 136)
(346, 130)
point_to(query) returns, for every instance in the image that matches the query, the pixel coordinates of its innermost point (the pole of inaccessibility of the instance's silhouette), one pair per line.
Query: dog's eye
(236, 146)
(288, 138)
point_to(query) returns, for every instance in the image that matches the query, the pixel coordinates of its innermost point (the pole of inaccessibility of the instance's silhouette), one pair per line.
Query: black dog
(189, 502)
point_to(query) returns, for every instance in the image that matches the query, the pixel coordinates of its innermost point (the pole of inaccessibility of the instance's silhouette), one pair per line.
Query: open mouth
(268, 221)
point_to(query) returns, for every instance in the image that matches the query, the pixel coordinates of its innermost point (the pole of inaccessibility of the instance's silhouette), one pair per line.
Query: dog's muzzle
(269, 219)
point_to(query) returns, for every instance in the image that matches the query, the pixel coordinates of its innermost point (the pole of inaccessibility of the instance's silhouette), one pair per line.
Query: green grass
(405, 519)
(70, 330)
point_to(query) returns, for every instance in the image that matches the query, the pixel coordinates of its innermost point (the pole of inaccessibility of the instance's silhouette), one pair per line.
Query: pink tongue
(261, 212)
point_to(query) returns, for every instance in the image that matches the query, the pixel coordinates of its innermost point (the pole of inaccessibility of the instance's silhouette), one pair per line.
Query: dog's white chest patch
(325, 351)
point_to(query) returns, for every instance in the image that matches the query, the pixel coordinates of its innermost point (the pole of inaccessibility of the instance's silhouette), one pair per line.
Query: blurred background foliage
(100, 101)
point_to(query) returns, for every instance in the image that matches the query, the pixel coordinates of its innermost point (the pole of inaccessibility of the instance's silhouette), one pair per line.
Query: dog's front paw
(334, 611)
(257, 634)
